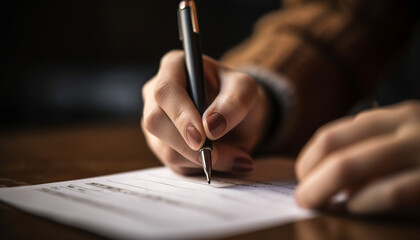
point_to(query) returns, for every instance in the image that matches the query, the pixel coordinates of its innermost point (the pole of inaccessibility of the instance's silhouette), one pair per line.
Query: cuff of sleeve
(280, 93)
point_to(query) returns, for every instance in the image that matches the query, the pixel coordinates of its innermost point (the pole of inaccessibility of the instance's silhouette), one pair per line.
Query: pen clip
(190, 6)
(179, 25)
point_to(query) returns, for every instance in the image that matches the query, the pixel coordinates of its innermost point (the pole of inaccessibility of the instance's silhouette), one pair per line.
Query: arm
(330, 54)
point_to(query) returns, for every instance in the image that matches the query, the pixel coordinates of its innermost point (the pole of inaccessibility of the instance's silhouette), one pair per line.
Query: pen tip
(206, 159)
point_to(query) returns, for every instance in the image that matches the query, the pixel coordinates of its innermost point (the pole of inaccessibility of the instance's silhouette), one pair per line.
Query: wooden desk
(41, 156)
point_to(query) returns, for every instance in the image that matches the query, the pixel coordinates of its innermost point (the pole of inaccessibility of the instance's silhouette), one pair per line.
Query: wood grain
(34, 156)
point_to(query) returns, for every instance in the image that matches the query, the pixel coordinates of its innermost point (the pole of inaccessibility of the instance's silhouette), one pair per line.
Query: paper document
(159, 204)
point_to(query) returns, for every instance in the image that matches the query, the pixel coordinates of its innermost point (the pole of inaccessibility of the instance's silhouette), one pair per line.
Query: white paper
(159, 204)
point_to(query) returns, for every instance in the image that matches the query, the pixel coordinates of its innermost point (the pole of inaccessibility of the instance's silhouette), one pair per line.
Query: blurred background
(66, 62)
(86, 61)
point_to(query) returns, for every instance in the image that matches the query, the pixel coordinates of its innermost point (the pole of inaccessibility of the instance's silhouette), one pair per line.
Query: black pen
(190, 37)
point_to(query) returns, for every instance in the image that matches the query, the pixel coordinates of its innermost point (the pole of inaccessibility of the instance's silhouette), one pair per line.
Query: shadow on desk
(331, 226)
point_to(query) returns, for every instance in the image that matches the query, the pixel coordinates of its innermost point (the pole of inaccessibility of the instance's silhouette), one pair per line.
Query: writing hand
(174, 130)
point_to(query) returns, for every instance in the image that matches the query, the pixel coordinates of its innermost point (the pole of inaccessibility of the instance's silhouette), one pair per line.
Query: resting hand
(374, 157)
(174, 130)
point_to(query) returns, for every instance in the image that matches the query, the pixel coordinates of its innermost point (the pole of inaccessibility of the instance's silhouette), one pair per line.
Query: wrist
(277, 97)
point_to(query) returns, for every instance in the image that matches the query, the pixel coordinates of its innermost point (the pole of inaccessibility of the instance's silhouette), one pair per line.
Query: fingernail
(242, 165)
(216, 123)
(193, 136)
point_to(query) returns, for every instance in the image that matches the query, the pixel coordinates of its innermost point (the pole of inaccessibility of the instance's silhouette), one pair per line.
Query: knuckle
(411, 104)
(171, 55)
(165, 87)
(237, 101)
(146, 88)
(248, 90)
(244, 78)
(180, 118)
(247, 83)
(342, 168)
(411, 109)
(162, 90)
(150, 120)
(363, 116)
(325, 139)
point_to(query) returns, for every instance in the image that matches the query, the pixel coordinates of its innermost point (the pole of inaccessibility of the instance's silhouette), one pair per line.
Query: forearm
(331, 55)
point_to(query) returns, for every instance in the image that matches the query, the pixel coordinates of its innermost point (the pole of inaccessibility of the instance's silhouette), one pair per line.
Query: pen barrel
(208, 144)
(193, 60)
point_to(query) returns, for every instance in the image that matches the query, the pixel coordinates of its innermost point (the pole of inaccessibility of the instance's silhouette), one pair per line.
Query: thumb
(238, 93)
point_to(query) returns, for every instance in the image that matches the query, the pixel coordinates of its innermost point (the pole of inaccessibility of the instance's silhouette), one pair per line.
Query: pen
(190, 37)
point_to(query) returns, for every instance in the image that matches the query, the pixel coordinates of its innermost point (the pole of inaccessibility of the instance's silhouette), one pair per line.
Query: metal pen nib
(206, 159)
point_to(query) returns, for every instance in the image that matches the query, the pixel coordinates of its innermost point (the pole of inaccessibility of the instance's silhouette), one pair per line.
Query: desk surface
(41, 156)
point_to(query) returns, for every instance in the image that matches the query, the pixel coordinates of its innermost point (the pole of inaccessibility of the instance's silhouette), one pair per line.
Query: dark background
(82, 61)
(65, 62)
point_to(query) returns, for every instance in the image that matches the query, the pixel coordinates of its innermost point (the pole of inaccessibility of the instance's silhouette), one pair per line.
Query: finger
(164, 133)
(168, 155)
(156, 122)
(227, 158)
(167, 144)
(354, 165)
(342, 133)
(397, 191)
(238, 93)
(171, 95)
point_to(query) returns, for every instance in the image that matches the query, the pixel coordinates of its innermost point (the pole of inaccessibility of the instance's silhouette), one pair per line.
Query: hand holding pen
(176, 129)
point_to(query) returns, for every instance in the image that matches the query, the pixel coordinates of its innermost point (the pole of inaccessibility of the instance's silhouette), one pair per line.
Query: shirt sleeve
(329, 53)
